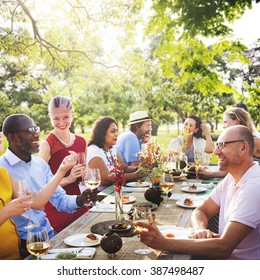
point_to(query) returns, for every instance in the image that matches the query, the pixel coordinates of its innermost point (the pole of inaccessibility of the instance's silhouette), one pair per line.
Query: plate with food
(125, 198)
(189, 202)
(120, 227)
(193, 188)
(145, 204)
(172, 232)
(83, 240)
(138, 184)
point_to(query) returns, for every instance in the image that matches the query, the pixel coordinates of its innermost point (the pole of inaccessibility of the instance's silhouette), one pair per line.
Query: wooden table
(174, 216)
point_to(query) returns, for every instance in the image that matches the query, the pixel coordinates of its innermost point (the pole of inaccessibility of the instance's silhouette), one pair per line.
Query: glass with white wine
(142, 214)
(37, 241)
(93, 179)
(167, 185)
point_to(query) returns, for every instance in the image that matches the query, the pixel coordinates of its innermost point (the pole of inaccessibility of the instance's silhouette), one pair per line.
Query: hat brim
(139, 121)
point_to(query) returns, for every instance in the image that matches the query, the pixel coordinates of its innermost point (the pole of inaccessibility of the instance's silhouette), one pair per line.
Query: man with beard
(129, 143)
(23, 140)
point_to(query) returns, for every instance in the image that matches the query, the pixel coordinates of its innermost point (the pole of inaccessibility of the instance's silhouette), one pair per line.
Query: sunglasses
(31, 130)
(221, 145)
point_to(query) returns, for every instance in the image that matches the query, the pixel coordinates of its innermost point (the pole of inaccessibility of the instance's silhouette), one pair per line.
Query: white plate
(197, 190)
(131, 199)
(179, 232)
(196, 203)
(80, 240)
(138, 184)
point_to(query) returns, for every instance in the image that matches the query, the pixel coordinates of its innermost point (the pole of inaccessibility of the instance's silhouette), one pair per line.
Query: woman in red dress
(54, 148)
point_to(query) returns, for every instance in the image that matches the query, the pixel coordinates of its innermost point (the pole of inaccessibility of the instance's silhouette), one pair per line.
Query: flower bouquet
(151, 161)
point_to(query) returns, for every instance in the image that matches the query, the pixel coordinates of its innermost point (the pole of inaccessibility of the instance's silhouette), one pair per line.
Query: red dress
(60, 220)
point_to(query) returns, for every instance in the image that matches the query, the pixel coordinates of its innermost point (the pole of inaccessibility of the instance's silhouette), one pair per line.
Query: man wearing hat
(129, 142)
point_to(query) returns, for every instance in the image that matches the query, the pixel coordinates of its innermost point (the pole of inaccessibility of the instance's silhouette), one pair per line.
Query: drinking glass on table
(37, 241)
(167, 185)
(142, 214)
(22, 192)
(93, 180)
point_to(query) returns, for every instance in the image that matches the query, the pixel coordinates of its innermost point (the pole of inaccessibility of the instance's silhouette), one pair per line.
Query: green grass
(164, 137)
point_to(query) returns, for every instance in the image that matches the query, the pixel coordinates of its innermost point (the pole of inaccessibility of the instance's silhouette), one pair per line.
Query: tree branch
(49, 46)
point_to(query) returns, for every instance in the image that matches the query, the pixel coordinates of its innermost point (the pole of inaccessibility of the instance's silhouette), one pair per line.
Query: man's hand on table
(204, 233)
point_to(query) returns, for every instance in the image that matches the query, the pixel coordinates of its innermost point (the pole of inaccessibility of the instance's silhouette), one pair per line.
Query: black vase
(111, 243)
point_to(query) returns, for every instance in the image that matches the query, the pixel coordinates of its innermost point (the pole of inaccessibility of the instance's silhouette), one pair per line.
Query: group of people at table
(53, 176)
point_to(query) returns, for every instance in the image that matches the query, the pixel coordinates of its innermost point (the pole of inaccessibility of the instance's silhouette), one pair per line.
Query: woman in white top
(194, 128)
(102, 152)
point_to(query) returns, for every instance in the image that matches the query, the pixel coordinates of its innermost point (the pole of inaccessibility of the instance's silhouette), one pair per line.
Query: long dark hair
(198, 122)
(99, 130)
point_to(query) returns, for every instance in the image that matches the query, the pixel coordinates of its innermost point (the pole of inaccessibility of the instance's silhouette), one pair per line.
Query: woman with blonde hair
(234, 116)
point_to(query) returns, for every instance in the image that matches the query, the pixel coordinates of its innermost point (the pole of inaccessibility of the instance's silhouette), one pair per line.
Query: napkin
(178, 196)
(109, 208)
(86, 253)
(134, 189)
(208, 186)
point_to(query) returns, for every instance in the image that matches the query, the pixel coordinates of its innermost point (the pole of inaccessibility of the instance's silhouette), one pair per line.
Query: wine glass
(93, 180)
(197, 162)
(81, 159)
(37, 241)
(142, 214)
(22, 192)
(167, 185)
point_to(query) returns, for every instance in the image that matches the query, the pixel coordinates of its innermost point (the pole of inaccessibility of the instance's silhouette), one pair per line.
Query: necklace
(62, 142)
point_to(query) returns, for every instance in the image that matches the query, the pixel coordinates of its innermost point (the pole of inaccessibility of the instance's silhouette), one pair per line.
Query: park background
(113, 57)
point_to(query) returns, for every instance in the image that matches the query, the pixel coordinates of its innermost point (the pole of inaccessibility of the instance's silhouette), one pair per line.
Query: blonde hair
(60, 101)
(241, 115)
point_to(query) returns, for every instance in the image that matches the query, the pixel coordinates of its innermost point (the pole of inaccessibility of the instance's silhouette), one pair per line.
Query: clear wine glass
(93, 180)
(37, 241)
(197, 162)
(81, 159)
(22, 192)
(142, 214)
(167, 185)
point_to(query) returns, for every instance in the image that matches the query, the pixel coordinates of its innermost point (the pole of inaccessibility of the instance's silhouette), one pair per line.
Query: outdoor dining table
(174, 216)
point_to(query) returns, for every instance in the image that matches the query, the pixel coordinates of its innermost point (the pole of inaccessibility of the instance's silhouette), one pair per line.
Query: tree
(197, 17)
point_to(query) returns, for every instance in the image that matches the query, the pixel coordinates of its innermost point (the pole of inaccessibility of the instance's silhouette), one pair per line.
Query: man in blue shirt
(129, 142)
(23, 140)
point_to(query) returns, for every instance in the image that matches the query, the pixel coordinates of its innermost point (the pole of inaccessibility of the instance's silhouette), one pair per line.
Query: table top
(173, 216)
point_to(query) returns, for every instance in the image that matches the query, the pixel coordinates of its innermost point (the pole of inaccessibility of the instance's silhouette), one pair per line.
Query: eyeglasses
(221, 145)
(31, 130)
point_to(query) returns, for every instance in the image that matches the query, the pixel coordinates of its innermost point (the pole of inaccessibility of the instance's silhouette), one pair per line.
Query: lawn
(164, 136)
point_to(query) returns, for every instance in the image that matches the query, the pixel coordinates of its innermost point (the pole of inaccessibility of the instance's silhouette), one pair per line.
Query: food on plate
(188, 201)
(125, 198)
(119, 226)
(192, 187)
(91, 238)
(169, 235)
(138, 183)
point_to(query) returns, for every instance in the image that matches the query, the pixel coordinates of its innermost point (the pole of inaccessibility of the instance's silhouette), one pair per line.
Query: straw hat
(139, 116)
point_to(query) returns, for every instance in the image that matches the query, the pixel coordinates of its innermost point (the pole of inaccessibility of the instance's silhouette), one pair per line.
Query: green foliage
(204, 17)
